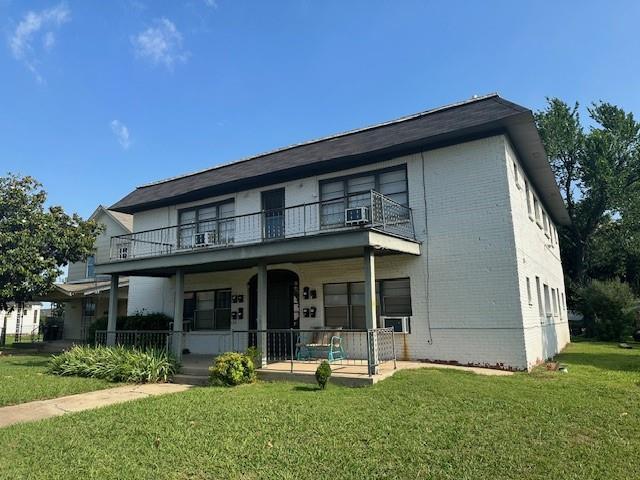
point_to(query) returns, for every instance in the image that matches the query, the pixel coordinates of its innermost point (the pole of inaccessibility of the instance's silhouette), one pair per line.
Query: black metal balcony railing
(378, 213)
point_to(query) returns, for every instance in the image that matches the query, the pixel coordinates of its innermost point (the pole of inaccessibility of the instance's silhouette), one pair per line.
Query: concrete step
(27, 345)
(191, 379)
(194, 370)
(57, 346)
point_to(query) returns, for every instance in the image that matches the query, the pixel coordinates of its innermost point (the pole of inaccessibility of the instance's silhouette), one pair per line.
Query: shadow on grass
(616, 361)
(29, 363)
(306, 388)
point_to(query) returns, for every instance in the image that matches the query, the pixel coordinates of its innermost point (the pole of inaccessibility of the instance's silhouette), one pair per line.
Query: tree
(35, 242)
(598, 171)
(609, 308)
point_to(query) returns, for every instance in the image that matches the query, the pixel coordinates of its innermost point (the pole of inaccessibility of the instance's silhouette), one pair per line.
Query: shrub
(323, 372)
(137, 321)
(115, 364)
(608, 308)
(230, 369)
(255, 355)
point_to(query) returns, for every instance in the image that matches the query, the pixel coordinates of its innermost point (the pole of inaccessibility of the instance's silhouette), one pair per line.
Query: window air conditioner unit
(204, 239)
(356, 216)
(399, 324)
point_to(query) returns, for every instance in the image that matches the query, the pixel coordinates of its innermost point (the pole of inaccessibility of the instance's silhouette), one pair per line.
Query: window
(545, 222)
(208, 310)
(213, 220)
(540, 309)
(528, 195)
(554, 299)
(536, 209)
(354, 191)
(515, 174)
(91, 266)
(529, 298)
(547, 301)
(344, 303)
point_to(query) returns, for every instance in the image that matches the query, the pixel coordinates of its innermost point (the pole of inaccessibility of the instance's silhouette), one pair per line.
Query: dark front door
(283, 311)
(273, 213)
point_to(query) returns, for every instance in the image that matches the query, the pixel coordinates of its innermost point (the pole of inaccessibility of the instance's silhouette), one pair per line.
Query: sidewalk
(41, 409)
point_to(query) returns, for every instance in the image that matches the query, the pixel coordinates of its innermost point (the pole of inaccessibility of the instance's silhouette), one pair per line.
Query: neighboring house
(85, 294)
(441, 225)
(21, 321)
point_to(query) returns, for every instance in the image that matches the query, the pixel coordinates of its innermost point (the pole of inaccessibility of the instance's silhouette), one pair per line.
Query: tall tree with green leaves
(35, 242)
(598, 171)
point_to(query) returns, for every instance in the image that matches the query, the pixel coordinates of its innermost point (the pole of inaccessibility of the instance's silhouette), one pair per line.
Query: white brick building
(447, 241)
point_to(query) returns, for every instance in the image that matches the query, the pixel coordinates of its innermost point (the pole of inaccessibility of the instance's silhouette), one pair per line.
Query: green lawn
(426, 423)
(22, 379)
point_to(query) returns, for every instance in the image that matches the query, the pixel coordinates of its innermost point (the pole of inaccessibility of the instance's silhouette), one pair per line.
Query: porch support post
(113, 310)
(262, 311)
(370, 306)
(178, 311)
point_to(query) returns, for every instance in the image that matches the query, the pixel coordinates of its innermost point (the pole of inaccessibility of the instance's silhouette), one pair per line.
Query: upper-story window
(91, 266)
(336, 194)
(206, 225)
(536, 209)
(516, 176)
(545, 220)
(528, 195)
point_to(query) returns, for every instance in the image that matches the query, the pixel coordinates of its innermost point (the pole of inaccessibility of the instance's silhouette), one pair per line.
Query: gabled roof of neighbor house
(65, 291)
(471, 119)
(125, 220)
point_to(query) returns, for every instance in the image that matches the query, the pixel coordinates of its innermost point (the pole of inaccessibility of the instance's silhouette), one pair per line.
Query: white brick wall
(538, 255)
(466, 286)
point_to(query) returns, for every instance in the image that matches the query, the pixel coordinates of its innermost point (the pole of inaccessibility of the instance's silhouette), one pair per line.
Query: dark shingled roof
(475, 118)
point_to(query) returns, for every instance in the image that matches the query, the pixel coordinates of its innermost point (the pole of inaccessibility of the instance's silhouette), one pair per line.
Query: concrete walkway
(40, 409)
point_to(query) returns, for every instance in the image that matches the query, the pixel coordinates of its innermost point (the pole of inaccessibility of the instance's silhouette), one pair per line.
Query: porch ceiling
(306, 249)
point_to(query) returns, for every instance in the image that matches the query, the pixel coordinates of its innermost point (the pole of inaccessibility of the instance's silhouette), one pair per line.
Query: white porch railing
(381, 214)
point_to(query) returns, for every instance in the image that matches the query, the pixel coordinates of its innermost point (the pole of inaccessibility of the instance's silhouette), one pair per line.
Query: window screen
(344, 303)
(396, 297)
(354, 191)
(209, 310)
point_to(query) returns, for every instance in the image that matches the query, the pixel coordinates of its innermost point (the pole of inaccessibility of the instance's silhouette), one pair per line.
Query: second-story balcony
(365, 211)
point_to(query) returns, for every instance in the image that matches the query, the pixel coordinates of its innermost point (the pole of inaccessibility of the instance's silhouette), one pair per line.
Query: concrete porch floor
(355, 375)
(195, 371)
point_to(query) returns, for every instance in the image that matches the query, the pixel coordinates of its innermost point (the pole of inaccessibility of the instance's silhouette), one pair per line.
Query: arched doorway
(283, 302)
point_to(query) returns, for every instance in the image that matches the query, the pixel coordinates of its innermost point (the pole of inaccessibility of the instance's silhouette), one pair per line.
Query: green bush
(115, 364)
(323, 372)
(609, 309)
(255, 355)
(137, 321)
(230, 369)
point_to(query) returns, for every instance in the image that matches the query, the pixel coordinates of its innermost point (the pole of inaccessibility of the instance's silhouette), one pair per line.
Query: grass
(418, 424)
(23, 379)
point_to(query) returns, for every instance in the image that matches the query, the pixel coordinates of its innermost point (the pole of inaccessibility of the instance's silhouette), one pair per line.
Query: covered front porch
(266, 296)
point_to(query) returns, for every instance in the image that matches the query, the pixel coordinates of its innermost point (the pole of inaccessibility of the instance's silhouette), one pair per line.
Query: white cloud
(48, 41)
(161, 44)
(36, 26)
(121, 132)
(211, 3)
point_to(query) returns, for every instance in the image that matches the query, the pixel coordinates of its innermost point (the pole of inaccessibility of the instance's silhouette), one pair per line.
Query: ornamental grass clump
(231, 369)
(115, 364)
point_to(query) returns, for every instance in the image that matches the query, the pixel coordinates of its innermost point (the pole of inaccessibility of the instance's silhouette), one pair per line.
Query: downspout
(426, 248)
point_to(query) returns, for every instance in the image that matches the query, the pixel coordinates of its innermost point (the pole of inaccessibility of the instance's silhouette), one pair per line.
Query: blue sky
(98, 97)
